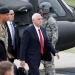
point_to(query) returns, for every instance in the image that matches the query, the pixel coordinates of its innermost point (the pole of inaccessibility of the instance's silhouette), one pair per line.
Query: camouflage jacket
(50, 24)
(4, 35)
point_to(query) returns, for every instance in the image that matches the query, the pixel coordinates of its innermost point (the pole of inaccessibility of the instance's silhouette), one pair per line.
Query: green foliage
(70, 2)
(71, 50)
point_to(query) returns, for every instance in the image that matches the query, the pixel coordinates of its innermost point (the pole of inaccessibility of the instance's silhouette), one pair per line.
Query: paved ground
(64, 66)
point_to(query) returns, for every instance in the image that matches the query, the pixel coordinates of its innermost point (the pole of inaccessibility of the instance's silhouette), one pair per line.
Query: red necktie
(41, 41)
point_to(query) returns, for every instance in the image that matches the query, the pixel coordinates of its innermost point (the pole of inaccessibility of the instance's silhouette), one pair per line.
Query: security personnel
(13, 36)
(3, 33)
(50, 24)
(4, 54)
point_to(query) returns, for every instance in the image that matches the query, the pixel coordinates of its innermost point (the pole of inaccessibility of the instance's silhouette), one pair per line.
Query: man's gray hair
(35, 15)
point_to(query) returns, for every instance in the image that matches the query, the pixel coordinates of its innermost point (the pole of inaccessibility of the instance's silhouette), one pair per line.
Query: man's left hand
(57, 55)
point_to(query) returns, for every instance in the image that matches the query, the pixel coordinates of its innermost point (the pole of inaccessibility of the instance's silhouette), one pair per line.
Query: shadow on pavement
(67, 71)
(62, 71)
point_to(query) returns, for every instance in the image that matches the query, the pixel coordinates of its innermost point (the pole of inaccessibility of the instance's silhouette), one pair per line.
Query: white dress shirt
(38, 33)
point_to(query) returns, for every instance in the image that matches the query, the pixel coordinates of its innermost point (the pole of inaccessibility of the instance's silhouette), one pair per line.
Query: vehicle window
(56, 7)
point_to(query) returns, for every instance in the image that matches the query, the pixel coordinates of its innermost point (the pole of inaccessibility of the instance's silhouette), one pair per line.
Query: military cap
(4, 10)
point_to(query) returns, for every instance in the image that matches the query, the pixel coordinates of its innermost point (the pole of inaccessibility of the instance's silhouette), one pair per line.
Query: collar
(36, 27)
(8, 22)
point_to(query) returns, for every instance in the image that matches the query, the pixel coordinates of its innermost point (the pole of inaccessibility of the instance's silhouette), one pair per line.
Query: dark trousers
(13, 53)
(12, 60)
(34, 69)
(15, 70)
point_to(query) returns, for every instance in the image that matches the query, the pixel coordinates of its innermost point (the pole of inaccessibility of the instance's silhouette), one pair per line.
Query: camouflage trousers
(49, 66)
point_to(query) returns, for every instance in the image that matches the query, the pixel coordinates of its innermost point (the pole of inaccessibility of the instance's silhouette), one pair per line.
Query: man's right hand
(22, 63)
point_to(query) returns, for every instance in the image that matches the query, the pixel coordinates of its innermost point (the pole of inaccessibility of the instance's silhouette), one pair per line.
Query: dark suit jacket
(30, 46)
(15, 52)
(2, 51)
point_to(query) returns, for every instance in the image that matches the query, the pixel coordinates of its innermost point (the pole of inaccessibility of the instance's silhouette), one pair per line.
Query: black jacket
(2, 51)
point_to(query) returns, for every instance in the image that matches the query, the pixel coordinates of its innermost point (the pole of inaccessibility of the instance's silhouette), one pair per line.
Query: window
(59, 11)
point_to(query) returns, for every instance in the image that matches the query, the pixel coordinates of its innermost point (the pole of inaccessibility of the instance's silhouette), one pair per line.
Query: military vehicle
(61, 11)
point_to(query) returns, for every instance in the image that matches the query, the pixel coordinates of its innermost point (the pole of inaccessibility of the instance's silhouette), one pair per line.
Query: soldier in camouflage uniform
(3, 30)
(4, 55)
(49, 23)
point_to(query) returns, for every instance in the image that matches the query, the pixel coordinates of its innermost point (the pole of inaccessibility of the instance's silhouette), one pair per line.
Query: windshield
(67, 6)
(56, 7)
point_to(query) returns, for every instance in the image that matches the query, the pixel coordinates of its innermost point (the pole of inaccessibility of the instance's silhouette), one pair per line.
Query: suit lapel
(8, 31)
(14, 26)
(35, 32)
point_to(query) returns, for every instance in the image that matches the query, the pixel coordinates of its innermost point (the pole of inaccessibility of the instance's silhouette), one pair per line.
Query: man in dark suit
(35, 44)
(13, 37)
